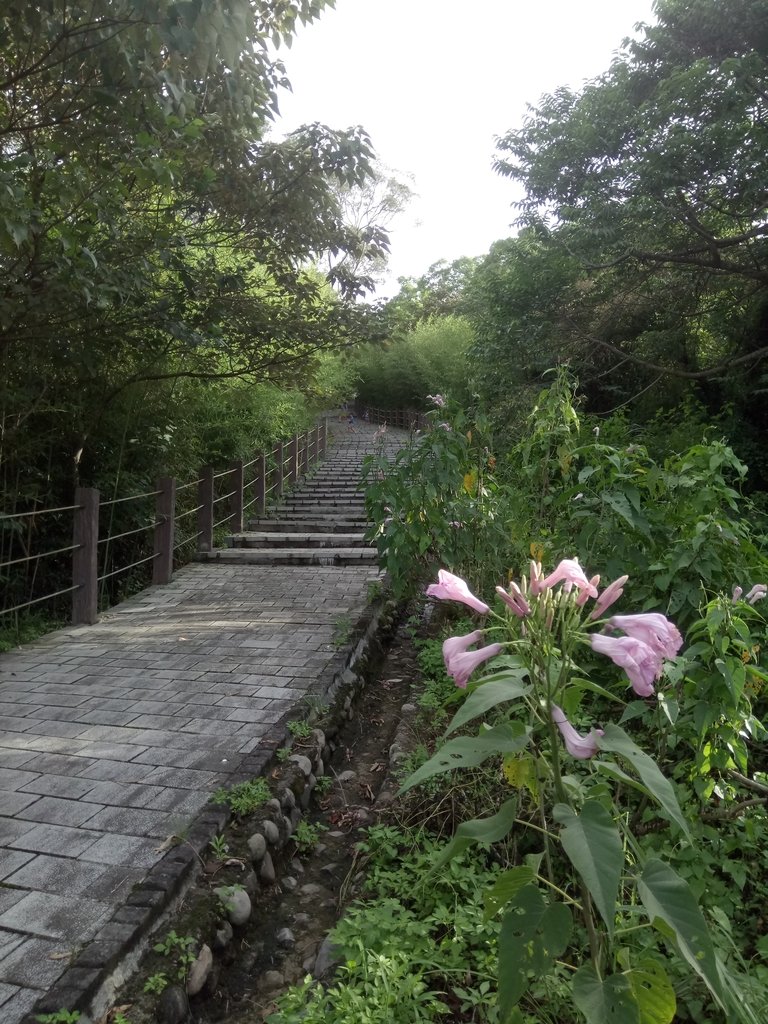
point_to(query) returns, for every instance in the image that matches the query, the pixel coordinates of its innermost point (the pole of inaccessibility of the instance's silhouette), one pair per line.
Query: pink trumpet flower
(453, 588)
(514, 599)
(737, 592)
(568, 571)
(757, 593)
(583, 597)
(458, 645)
(609, 596)
(661, 635)
(641, 663)
(577, 745)
(462, 665)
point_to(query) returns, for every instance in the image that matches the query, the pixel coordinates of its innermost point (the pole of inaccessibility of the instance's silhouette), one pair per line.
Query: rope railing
(251, 484)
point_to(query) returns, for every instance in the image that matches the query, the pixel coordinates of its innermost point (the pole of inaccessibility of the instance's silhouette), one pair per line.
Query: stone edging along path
(112, 738)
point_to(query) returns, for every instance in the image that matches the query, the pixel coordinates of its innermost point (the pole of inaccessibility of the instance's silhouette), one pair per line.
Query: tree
(149, 228)
(653, 177)
(367, 210)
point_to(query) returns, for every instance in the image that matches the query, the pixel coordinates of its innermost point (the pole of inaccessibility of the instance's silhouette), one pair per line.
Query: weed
(300, 729)
(156, 983)
(323, 785)
(306, 836)
(60, 1017)
(243, 798)
(283, 754)
(219, 847)
(342, 631)
(375, 591)
(225, 895)
(180, 950)
(315, 705)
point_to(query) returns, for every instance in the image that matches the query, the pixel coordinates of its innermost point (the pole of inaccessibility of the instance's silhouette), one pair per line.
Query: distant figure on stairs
(351, 423)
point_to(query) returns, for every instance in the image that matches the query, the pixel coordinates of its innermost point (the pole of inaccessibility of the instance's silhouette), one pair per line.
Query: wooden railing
(213, 500)
(398, 419)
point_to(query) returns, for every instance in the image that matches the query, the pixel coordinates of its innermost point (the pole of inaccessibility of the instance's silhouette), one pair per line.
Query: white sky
(434, 82)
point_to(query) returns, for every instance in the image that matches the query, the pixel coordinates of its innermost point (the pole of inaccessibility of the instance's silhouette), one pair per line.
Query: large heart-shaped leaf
(489, 695)
(594, 847)
(668, 898)
(617, 741)
(605, 1000)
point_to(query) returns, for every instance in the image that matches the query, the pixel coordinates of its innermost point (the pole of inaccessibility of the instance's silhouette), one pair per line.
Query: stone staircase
(322, 521)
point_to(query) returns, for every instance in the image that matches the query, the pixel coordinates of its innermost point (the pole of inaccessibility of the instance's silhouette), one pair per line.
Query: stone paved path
(113, 736)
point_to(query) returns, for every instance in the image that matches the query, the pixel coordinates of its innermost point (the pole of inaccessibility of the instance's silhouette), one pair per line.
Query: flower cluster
(757, 593)
(636, 643)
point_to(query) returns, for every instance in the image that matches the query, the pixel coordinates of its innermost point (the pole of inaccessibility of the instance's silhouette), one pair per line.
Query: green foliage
(156, 983)
(300, 729)
(679, 529)
(431, 358)
(244, 797)
(408, 951)
(425, 504)
(59, 1017)
(307, 835)
(722, 681)
(180, 951)
(219, 847)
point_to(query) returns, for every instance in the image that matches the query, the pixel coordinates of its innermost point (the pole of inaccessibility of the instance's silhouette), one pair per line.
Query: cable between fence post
(279, 469)
(261, 485)
(85, 569)
(205, 512)
(236, 502)
(165, 528)
(293, 454)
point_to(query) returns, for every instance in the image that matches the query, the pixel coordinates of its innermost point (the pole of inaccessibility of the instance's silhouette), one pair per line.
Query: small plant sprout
(300, 729)
(219, 847)
(306, 836)
(180, 951)
(59, 1017)
(156, 983)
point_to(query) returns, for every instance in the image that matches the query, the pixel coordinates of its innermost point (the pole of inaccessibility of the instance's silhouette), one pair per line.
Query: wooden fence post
(305, 452)
(279, 457)
(236, 501)
(165, 530)
(261, 484)
(205, 511)
(316, 451)
(324, 436)
(85, 571)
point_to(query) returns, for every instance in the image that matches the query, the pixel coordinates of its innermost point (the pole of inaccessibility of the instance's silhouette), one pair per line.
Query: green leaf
(605, 1001)
(667, 897)
(532, 934)
(489, 695)
(617, 741)
(653, 993)
(506, 887)
(479, 830)
(594, 847)
(471, 751)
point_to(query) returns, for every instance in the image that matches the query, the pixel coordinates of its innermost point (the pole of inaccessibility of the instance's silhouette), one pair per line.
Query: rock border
(109, 960)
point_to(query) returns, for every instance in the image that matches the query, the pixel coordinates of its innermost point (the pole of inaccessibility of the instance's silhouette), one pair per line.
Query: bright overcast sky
(434, 82)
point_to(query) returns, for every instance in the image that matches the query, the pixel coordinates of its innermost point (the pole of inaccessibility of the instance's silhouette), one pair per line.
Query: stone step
(310, 539)
(329, 525)
(290, 556)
